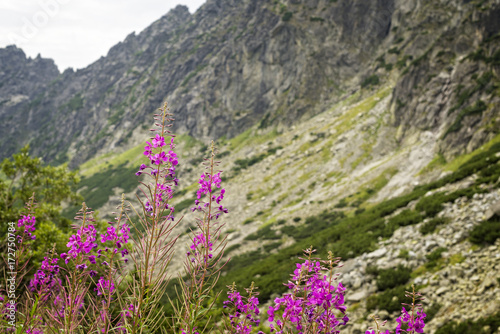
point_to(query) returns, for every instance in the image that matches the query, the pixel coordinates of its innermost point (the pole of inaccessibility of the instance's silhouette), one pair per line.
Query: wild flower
(28, 222)
(315, 304)
(206, 251)
(242, 313)
(413, 320)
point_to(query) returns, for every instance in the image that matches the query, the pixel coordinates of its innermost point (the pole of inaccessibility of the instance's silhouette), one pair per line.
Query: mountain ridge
(240, 63)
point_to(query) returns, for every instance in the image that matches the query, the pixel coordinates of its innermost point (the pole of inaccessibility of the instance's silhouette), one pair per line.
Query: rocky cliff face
(233, 64)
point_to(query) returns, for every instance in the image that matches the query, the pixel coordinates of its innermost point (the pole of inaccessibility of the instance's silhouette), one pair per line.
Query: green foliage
(271, 246)
(406, 217)
(24, 176)
(433, 204)
(431, 225)
(98, 187)
(389, 300)
(394, 50)
(482, 326)
(265, 233)
(431, 311)
(316, 19)
(184, 204)
(287, 16)
(245, 163)
(477, 108)
(231, 248)
(313, 225)
(76, 102)
(434, 257)
(372, 80)
(487, 232)
(392, 277)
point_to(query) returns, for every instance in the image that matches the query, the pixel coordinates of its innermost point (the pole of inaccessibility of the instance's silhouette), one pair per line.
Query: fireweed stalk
(203, 260)
(152, 240)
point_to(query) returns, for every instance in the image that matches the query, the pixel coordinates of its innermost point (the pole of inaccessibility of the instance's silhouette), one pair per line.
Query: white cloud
(76, 33)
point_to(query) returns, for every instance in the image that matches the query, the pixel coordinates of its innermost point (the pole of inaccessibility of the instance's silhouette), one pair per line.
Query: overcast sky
(76, 33)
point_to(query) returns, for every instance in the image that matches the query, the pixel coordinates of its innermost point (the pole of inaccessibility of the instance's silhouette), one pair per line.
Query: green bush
(265, 233)
(434, 257)
(472, 327)
(392, 277)
(487, 232)
(287, 16)
(405, 218)
(431, 311)
(431, 225)
(389, 300)
(372, 80)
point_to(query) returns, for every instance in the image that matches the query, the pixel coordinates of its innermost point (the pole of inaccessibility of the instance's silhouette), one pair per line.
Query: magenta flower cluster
(160, 157)
(45, 280)
(199, 245)
(245, 312)
(207, 186)
(413, 323)
(28, 222)
(104, 286)
(84, 241)
(311, 303)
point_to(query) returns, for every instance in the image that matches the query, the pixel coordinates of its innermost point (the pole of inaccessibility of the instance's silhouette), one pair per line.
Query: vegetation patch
(482, 326)
(486, 233)
(432, 224)
(392, 277)
(475, 109)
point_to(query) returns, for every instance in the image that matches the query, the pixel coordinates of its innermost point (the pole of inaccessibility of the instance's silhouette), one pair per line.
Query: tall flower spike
(414, 319)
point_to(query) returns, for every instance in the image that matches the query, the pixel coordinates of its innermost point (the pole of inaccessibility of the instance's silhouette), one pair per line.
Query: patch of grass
(287, 16)
(99, 186)
(100, 163)
(75, 103)
(406, 217)
(438, 161)
(272, 246)
(371, 187)
(347, 119)
(431, 311)
(312, 225)
(184, 204)
(457, 162)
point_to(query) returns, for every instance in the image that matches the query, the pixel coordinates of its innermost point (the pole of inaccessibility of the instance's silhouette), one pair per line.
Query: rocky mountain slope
(233, 64)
